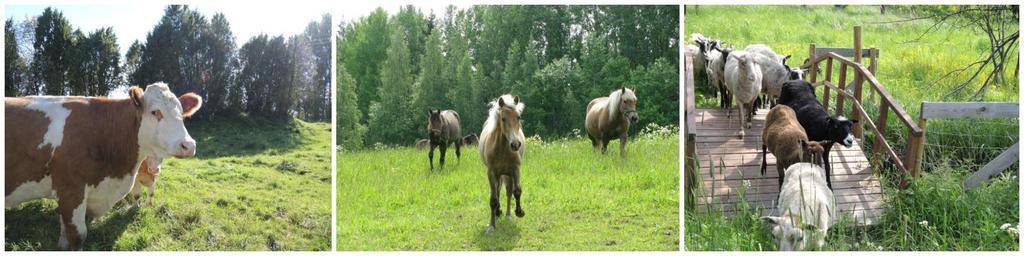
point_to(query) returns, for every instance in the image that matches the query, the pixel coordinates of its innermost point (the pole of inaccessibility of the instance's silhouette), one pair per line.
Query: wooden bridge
(730, 171)
(722, 171)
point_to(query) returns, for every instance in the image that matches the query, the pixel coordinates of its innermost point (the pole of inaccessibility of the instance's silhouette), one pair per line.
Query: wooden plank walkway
(737, 164)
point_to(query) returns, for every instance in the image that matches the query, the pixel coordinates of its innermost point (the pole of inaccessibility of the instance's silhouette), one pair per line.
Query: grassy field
(253, 185)
(574, 198)
(935, 212)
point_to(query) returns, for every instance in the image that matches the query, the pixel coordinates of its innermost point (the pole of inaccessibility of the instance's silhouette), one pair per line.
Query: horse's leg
(517, 191)
(604, 145)
(507, 182)
(444, 149)
(495, 205)
(431, 155)
(458, 150)
(622, 144)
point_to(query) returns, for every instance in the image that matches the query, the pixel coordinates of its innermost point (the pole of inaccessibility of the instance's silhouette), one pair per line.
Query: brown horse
(609, 118)
(443, 130)
(502, 145)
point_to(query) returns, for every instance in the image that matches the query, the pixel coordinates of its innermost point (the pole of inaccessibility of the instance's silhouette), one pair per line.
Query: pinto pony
(609, 118)
(502, 145)
(442, 131)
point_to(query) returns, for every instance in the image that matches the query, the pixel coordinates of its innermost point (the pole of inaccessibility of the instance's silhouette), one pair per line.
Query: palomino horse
(443, 130)
(502, 145)
(609, 118)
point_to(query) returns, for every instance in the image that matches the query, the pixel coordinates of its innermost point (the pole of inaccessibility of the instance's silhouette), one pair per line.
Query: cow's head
(163, 132)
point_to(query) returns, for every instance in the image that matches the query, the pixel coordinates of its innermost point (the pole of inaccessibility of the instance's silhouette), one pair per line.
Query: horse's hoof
(490, 229)
(508, 217)
(520, 213)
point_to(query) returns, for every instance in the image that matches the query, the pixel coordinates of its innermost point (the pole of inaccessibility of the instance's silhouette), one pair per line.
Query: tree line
(271, 76)
(393, 68)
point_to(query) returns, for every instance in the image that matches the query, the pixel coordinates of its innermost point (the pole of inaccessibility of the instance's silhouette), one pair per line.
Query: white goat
(806, 209)
(743, 80)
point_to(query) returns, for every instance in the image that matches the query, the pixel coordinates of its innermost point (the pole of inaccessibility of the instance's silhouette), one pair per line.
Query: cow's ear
(190, 103)
(515, 100)
(136, 94)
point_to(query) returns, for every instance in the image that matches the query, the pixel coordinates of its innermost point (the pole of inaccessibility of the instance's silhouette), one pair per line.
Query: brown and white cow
(148, 172)
(85, 151)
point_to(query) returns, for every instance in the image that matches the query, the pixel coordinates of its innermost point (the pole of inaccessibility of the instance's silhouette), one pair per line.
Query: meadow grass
(935, 212)
(254, 184)
(574, 198)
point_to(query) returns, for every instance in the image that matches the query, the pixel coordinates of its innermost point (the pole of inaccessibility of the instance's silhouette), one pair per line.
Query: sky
(132, 21)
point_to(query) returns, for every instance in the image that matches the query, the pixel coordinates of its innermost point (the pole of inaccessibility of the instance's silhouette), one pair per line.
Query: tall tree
(392, 119)
(132, 61)
(349, 131)
(221, 43)
(15, 69)
(363, 49)
(432, 87)
(102, 62)
(413, 23)
(53, 39)
(316, 101)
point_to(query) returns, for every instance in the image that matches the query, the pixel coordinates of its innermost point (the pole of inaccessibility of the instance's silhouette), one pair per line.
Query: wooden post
(880, 123)
(842, 86)
(814, 68)
(828, 77)
(915, 146)
(858, 85)
(873, 67)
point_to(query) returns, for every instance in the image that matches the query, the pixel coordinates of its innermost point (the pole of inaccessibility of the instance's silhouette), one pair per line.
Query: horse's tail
(456, 115)
(469, 139)
(422, 144)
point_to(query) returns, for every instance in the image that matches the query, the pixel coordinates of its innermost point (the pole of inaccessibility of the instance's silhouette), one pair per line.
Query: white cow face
(163, 132)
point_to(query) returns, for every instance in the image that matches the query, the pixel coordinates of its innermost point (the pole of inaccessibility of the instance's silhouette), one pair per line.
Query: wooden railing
(690, 152)
(911, 161)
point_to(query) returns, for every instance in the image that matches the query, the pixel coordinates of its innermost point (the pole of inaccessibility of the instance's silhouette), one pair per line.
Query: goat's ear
(515, 99)
(501, 102)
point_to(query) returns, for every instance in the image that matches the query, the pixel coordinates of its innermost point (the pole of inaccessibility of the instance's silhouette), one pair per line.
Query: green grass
(234, 195)
(957, 219)
(574, 198)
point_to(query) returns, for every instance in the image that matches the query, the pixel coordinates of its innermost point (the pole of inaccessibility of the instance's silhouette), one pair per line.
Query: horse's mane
(492, 117)
(613, 103)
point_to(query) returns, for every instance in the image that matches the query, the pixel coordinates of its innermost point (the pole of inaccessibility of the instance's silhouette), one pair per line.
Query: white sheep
(766, 51)
(774, 75)
(743, 80)
(806, 209)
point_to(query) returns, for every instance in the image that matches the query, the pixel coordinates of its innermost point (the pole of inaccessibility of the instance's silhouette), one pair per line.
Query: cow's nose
(187, 148)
